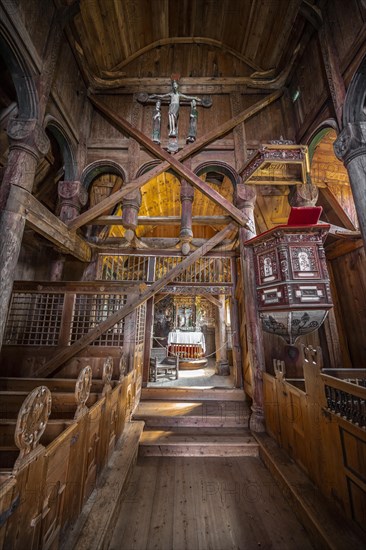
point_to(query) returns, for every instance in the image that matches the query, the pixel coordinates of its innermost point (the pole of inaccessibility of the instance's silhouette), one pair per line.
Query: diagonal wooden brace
(223, 129)
(64, 355)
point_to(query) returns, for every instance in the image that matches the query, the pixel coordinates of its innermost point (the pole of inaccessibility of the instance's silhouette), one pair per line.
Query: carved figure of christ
(175, 97)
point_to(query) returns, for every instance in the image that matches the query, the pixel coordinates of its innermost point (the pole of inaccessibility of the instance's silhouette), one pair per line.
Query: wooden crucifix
(175, 98)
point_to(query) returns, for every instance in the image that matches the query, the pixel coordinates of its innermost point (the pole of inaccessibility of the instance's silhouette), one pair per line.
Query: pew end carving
(107, 375)
(31, 423)
(82, 391)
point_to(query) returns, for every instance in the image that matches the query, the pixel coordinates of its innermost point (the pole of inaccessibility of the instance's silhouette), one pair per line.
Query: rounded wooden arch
(221, 168)
(63, 140)
(153, 164)
(21, 74)
(354, 108)
(320, 131)
(103, 166)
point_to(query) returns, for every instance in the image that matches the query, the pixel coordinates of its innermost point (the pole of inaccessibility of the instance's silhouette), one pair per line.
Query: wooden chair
(161, 364)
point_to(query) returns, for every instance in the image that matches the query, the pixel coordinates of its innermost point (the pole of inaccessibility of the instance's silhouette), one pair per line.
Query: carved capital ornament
(27, 134)
(351, 142)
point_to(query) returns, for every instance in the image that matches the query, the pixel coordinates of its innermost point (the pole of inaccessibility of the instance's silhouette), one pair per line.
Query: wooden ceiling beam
(211, 299)
(43, 222)
(51, 366)
(218, 132)
(184, 40)
(164, 220)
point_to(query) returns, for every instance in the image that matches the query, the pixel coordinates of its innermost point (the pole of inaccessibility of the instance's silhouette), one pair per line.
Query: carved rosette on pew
(31, 423)
(293, 290)
(107, 375)
(82, 391)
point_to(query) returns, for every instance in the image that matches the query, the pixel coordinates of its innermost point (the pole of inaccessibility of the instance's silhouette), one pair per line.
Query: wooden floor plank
(328, 527)
(136, 530)
(208, 503)
(163, 508)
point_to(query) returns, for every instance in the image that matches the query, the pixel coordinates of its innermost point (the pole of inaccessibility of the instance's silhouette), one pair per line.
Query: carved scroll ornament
(31, 422)
(82, 391)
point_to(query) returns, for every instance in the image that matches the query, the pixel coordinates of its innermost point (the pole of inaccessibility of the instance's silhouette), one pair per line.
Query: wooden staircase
(185, 424)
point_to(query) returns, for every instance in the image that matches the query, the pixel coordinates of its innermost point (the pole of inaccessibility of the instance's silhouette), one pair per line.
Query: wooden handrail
(342, 385)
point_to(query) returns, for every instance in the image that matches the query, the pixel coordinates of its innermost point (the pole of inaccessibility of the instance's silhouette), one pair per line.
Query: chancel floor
(205, 504)
(200, 378)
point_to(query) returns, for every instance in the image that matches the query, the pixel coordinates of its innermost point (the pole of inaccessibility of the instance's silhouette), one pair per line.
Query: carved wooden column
(235, 324)
(222, 364)
(303, 195)
(72, 197)
(149, 327)
(245, 200)
(57, 268)
(130, 210)
(28, 143)
(350, 147)
(186, 199)
(132, 202)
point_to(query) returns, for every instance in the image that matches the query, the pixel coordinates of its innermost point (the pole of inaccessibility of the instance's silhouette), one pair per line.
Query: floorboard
(200, 378)
(205, 504)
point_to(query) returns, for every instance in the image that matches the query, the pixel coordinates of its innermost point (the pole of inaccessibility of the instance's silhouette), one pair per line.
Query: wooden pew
(42, 495)
(53, 384)
(64, 404)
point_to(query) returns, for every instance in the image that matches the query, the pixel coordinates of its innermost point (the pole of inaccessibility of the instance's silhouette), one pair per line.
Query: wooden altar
(189, 346)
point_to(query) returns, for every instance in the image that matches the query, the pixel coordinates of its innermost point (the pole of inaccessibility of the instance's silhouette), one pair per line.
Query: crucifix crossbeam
(188, 151)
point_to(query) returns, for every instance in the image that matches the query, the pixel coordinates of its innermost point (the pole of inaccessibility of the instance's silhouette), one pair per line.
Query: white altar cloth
(185, 337)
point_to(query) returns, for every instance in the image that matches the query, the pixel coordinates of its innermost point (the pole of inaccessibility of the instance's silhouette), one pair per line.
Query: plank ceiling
(113, 33)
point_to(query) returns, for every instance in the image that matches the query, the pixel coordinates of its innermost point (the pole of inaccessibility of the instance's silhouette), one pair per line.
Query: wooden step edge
(188, 450)
(193, 422)
(94, 526)
(189, 394)
(158, 443)
(341, 533)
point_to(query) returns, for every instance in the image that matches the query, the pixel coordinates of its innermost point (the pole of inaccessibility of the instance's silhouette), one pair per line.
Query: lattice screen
(91, 310)
(140, 324)
(204, 270)
(34, 319)
(124, 268)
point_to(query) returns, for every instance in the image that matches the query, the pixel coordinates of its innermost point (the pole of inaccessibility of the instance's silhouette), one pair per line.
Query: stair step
(193, 394)
(193, 413)
(198, 442)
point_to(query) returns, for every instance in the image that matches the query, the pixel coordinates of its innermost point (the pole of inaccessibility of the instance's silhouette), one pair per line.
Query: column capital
(133, 199)
(245, 196)
(303, 195)
(186, 191)
(73, 196)
(351, 142)
(27, 134)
